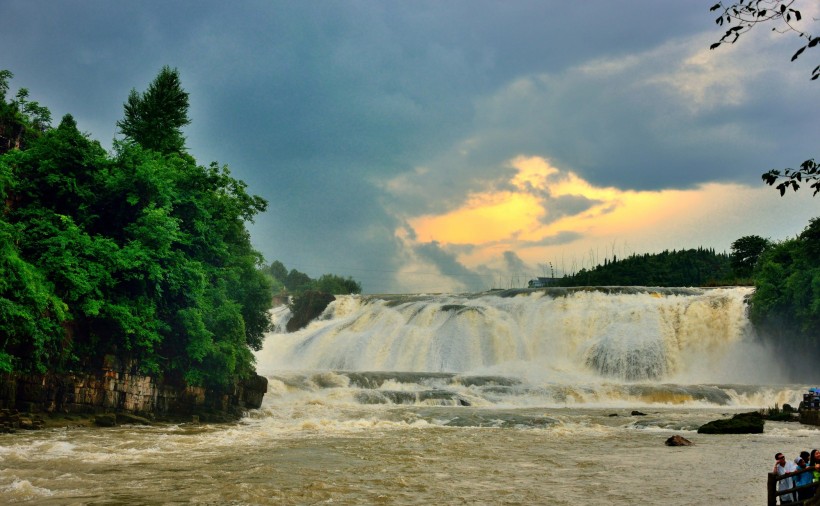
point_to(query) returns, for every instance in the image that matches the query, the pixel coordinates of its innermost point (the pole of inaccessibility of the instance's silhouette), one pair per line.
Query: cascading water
(628, 335)
(532, 347)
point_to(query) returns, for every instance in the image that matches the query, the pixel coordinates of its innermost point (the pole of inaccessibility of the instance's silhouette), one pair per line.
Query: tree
(298, 281)
(745, 253)
(741, 17)
(141, 253)
(154, 118)
(21, 120)
(278, 270)
(786, 300)
(337, 285)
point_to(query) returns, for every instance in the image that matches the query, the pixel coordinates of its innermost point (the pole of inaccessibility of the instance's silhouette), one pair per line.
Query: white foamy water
(676, 335)
(525, 399)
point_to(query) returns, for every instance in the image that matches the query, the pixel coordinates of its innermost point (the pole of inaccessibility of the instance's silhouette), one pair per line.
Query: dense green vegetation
(293, 282)
(785, 306)
(786, 302)
(140, 253)
(693, 267)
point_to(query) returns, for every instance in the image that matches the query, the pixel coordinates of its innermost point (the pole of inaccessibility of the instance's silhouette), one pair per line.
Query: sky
(453, 146)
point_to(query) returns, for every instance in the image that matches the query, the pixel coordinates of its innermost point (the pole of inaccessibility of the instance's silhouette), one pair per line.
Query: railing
(773, 493)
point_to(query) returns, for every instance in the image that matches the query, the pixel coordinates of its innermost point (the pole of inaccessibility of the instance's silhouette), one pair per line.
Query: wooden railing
(773, 493)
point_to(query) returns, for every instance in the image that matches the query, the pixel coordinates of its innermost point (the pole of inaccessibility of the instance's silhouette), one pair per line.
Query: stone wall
(810, 416)
(112, 391)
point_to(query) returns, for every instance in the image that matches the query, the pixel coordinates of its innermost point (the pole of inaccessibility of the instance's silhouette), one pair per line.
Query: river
(556, 397)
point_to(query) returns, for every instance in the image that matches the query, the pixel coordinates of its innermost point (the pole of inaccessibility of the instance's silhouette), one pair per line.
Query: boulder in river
(678, 441)
(741, 423)
(105, 420)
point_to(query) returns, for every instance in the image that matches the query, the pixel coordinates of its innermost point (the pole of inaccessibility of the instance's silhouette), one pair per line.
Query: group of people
(805, 461)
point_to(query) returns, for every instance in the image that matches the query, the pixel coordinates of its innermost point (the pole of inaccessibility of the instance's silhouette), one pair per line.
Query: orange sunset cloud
(528, 212)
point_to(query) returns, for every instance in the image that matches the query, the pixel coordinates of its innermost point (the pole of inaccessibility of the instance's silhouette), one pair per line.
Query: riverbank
(13, 421)
(112, 398)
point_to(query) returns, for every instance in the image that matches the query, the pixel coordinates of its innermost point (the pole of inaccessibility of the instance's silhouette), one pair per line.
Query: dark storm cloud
(449, 266)
(565, 237)
(567, 205)
(514, 263)
(320, 106)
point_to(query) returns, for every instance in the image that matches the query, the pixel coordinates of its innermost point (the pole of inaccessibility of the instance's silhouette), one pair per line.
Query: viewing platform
(809, 409)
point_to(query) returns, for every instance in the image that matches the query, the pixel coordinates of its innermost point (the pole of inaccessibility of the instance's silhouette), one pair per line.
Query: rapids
(560, 335)
(518, 397)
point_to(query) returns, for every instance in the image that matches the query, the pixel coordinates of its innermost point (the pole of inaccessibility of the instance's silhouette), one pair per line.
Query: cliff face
(116, 392)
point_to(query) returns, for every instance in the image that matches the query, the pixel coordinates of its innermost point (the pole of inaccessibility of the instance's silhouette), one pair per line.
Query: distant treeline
(692, 267)
(293, 282)
(785, 305)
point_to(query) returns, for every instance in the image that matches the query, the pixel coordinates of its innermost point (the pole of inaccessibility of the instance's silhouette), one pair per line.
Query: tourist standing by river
(781, 467)
(804, 478)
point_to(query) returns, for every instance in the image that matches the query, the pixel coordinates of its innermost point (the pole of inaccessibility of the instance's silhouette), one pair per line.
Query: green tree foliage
(337, 285)
(154, 118)
(745, 253)
(693, 267)
(278, 270)
(296, 282)
(782, 16)
(21, 120)
(142, 254)
(31, 316)
(786, 301)
(306, 306)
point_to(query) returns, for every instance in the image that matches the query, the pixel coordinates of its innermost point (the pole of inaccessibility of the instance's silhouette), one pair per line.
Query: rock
(741, 423)
(30, 424)
(132, 419)
(253, 390)
(613, 414)
(638, 413)
(83, 394)
(105, 420)
(678, 441)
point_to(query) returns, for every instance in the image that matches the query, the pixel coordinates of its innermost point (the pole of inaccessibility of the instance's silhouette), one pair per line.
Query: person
(814, 462)
(781, 467)
(805, 478)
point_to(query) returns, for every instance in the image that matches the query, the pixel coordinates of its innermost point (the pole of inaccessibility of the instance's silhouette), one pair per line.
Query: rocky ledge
(111, 397)
(741, 423)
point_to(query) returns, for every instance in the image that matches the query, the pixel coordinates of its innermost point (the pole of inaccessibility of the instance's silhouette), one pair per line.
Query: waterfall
(563, 335)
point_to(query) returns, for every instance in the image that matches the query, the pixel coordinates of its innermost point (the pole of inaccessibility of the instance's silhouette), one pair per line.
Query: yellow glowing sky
(492, 217)
(621, 222)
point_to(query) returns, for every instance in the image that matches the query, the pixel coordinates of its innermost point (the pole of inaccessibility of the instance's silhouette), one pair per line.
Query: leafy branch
(744, 15)
(809, 170)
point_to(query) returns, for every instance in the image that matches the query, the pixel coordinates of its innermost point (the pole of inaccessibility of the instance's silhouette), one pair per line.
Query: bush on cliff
(307, 306)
